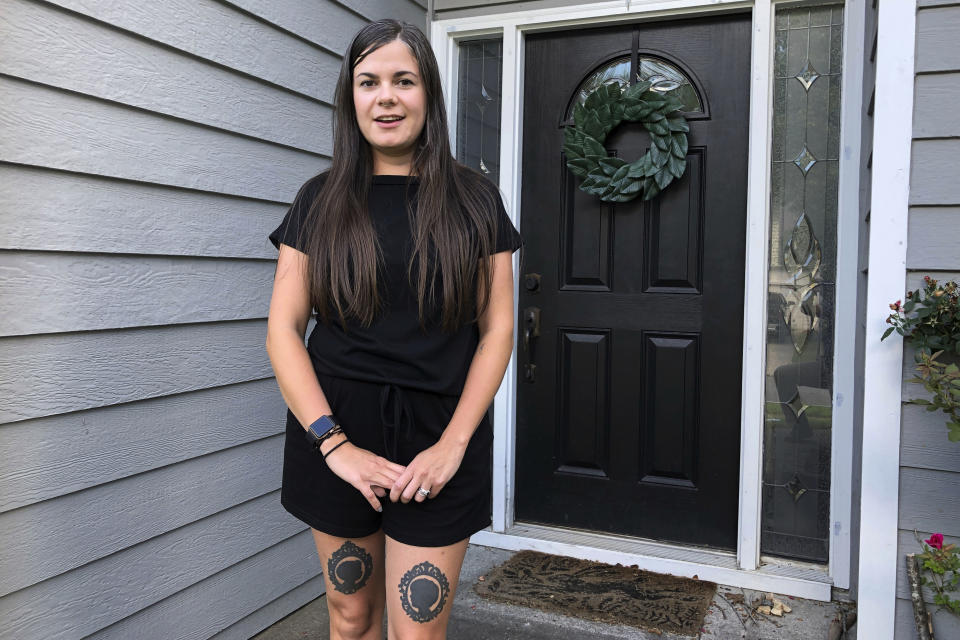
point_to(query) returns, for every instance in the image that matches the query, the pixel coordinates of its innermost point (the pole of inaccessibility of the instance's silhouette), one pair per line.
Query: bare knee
(351, 620)
(433, 632)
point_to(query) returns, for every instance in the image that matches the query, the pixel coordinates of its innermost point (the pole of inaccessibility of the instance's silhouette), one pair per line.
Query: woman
(406, 257)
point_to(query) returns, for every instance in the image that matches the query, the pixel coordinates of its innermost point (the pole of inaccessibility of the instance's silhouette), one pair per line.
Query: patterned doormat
(601, 592)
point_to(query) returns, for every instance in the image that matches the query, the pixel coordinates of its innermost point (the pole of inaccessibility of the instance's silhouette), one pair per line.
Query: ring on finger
(424, 492)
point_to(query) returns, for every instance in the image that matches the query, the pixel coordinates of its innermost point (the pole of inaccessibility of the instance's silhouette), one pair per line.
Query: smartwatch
(321, 426)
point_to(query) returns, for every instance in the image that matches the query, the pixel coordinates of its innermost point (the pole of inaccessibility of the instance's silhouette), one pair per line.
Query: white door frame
(746, 568)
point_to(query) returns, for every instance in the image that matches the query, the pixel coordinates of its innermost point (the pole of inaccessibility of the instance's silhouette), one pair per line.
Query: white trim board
(514, 25)
(886, 281)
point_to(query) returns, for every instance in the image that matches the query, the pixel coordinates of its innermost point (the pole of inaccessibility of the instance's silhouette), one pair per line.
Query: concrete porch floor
(474, 618)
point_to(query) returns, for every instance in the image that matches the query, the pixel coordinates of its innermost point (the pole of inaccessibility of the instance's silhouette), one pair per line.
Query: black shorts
(396, 423)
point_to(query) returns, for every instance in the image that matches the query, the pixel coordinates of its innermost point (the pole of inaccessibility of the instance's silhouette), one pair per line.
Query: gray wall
(146, 149)
(444, 9)
(929, 464)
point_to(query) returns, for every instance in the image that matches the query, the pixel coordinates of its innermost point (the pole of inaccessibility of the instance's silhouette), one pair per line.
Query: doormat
(600, 592)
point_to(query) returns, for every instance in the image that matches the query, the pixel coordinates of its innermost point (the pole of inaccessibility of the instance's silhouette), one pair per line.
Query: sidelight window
(798, 423)
(478, 106)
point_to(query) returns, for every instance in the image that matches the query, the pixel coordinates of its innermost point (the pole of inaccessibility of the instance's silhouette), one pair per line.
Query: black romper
(393, 389)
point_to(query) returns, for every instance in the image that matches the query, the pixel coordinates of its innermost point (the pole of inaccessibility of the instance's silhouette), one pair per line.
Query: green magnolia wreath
(612, 178)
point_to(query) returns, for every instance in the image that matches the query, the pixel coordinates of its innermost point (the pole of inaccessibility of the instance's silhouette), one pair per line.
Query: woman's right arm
(286, 327)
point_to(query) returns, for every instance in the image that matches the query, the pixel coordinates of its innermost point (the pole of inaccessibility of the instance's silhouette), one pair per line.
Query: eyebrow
(398, 73)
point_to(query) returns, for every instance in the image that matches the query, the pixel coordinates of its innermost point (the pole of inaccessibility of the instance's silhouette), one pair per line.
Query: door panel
(629, 421)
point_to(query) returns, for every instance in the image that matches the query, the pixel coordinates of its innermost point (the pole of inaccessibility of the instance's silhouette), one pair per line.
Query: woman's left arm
(433, 467)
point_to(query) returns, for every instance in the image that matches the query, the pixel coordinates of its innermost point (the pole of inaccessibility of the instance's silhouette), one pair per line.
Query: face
(390, 103)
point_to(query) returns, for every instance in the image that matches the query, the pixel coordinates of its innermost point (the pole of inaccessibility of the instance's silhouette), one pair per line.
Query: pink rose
(935, 541)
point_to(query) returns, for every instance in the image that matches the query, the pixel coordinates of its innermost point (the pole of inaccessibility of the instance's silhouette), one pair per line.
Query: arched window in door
(663, 77)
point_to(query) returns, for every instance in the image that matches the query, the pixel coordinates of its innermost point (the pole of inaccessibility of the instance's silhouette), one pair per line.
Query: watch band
(320, 429)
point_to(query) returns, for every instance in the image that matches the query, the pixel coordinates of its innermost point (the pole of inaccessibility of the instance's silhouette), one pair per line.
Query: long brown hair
(453, 226)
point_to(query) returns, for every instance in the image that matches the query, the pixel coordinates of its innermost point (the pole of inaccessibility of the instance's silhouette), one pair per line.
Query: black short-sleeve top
(393, 349)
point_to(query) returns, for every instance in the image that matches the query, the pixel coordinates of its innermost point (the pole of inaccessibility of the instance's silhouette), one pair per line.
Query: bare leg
(421, 585)
(354, 573)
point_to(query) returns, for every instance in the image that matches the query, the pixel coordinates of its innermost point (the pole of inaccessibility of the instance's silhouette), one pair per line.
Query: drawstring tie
(393, 415)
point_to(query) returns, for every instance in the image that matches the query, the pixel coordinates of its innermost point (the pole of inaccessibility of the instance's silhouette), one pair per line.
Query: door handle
(531, 326)
(531, 330)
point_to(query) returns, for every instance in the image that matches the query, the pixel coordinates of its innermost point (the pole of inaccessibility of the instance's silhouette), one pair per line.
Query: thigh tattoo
(349, 568)
(423, 592)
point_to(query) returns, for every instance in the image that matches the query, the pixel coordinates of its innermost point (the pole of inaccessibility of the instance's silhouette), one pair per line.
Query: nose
(387, 93)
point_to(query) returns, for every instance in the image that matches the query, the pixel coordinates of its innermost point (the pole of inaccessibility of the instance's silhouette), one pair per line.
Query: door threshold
(717, 566)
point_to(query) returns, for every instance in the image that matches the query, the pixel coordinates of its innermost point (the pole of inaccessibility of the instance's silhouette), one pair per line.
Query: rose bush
(942, 563)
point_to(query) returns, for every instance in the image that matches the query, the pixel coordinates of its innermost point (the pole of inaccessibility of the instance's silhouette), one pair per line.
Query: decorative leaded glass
(803, 207)
(478, 106)
(663, 77)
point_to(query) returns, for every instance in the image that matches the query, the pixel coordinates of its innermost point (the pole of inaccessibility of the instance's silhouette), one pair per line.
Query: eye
(366, 83)
(406, 81)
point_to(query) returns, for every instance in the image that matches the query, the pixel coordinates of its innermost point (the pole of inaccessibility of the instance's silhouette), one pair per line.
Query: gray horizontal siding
(56, 47)
(141, 507)
(446, 9)
(146, 151)
(412, 11)
(933, 179)
(946, 624)
(929, 465)
(220, 599)
(51, 128)
(934, 234)
(59, 292)
(113, 588)
(45, 375)
(327, 24)
(181, 427)
(937, 29)
(935, 98)
(221, 34)
(277, 608)
(121, 216)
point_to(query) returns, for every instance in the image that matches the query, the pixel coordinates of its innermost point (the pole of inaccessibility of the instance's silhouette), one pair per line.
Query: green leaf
(655, 116)
(677, 166)
(616, 112)
(661, 141)
(650, 188)
(593, 127)
(658, 127)
(595, 99)
(678, 146)
(611, 164)
(886, 333)
(678, 124)
(631, 187)
(580, 166)
(637, 168)
(636, 113)
(604, 115)
(663, 178)
(592, 147)
(657, 156)
(636, 91)
(618, 177)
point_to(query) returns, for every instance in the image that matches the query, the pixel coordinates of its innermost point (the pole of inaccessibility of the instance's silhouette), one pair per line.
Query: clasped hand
(431, 469)
(371, 474)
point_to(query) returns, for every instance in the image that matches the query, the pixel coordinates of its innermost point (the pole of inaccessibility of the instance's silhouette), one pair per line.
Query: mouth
(388, 119)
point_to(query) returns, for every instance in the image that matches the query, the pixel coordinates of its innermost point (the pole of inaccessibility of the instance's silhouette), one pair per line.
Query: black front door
(629, 419)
